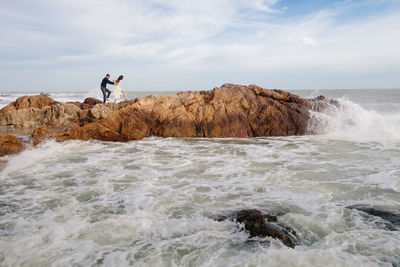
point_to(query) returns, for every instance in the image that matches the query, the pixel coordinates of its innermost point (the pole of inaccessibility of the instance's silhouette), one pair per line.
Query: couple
(117, 89)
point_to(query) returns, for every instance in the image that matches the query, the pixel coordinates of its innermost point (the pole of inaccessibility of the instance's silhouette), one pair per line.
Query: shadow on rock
(391, 220)
(262, 225)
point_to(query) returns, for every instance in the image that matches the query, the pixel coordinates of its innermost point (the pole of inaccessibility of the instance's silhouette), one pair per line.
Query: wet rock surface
(390, 219)
(262, 225)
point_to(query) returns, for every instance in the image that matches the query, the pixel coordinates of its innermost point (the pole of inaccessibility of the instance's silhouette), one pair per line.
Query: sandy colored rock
(25, 102)
(228, 111)
(99, 111)
(9, 144)
(57, 115)
(41, 110)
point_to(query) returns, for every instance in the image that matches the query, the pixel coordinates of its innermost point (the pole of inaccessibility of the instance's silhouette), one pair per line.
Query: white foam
(350, 121)
(148, 202)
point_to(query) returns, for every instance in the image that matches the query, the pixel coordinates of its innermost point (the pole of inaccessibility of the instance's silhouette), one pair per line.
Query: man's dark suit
(106, 92)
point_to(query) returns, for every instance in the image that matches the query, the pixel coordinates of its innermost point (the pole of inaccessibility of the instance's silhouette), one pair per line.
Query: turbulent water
(149, 202)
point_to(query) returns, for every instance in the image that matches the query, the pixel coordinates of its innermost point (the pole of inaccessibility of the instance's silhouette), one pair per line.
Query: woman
(117, 89)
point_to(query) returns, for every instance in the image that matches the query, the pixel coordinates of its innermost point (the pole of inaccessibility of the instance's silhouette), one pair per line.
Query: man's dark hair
(107, 74)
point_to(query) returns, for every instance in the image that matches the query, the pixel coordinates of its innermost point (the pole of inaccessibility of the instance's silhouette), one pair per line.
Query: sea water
(149, 202)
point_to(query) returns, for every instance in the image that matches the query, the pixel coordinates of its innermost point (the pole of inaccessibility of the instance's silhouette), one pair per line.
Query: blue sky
(68, 45)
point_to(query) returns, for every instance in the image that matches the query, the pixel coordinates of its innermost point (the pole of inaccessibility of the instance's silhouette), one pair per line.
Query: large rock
(229, 111)
(9, 144)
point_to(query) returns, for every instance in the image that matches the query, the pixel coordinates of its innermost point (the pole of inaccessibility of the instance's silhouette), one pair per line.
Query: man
(104, 88)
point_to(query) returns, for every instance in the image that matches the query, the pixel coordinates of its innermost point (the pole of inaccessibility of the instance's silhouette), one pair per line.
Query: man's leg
(103, 90)
(108, 93)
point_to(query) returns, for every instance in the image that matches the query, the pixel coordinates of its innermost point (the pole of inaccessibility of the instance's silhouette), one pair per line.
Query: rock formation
(9, 144)
(229, 111)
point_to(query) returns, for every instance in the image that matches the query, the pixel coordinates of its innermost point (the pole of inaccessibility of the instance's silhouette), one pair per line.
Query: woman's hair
(120, 78)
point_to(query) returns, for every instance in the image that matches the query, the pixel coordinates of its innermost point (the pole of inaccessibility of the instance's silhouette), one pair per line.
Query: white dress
(117, 91)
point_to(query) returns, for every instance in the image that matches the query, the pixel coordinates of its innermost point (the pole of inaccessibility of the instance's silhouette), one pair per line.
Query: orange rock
(229, 111)
(9, 144)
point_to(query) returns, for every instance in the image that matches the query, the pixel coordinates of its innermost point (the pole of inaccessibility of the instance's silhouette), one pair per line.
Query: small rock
(259, 225)
(9, 144)
(262, 225)
(219, 217)
(91, 101)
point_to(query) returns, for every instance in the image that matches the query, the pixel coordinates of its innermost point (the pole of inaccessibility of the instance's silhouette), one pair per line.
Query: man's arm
(110, 82)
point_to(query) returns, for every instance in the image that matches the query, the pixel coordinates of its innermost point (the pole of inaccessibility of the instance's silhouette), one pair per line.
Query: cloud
(263, 5)
(233, 39)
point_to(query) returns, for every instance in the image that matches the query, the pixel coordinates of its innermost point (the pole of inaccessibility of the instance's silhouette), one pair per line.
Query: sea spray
(350, 121)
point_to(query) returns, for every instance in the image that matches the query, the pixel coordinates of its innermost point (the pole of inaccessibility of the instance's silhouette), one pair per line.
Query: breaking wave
(350, 121)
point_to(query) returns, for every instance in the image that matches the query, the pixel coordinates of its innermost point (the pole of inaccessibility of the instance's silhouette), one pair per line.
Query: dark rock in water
(263, 225)
(392, 219)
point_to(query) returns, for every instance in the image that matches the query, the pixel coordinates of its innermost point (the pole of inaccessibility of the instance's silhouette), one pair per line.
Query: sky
(175, 45)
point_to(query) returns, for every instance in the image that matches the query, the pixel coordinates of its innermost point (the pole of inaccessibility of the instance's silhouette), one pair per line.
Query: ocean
(150, 202)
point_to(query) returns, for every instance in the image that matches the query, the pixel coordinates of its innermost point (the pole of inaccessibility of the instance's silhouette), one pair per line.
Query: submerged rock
(391, 219)
(219, 217)
(263, 225)
(9, 144)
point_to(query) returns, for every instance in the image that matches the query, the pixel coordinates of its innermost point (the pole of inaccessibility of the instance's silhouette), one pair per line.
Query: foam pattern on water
(149, 202)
